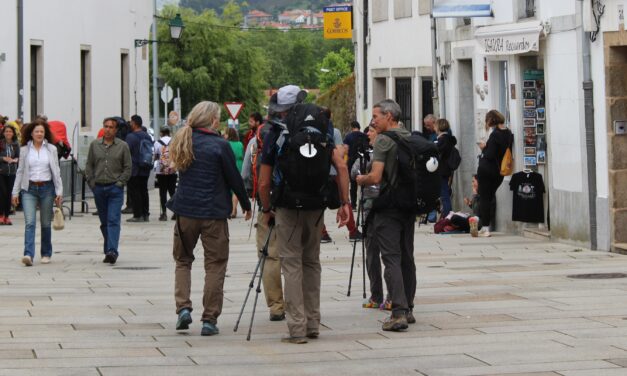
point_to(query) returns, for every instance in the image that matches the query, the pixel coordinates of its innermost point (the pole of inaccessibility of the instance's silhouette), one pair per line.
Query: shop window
(404, 99)
(379, 89)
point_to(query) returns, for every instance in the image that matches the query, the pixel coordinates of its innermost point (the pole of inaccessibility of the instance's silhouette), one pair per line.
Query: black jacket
(445, 144)
(493, 152)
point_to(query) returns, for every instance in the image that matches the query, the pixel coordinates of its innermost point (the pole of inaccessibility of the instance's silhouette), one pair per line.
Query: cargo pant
(272, 286)
(214, 235)
(298, 239)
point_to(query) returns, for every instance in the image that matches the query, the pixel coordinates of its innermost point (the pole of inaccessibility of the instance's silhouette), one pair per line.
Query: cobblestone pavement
(498, 306)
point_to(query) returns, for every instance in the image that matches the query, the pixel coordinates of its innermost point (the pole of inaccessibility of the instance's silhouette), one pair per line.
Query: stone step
(538, 234)
(619, 248)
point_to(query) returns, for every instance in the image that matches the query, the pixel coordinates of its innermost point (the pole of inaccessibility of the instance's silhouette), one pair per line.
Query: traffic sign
(234, 108)
(167, 94)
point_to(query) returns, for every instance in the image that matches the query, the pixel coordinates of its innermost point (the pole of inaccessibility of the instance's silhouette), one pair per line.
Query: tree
(335, 67)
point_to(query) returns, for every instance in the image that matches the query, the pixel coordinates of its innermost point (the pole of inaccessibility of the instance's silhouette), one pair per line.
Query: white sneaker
(474, 226)
(45, 260)
(484, 232)
(27, 261)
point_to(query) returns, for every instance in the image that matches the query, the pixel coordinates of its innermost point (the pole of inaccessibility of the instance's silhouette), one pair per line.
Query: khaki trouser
(214, 235)
(272, 286)
(298, 240)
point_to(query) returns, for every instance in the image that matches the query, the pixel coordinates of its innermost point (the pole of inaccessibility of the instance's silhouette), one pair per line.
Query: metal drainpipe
(365, 27)
(434, 67)
(588, 96)
(155, 74)
(20, 59)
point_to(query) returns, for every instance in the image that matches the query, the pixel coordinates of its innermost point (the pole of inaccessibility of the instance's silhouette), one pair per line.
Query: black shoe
(277, 317)
(110, 258)
(127, 210)
(209, 329)
(136, 219)
(163, 217)
(325, 238)
(410, 318)
(356, 237)
(185, 318)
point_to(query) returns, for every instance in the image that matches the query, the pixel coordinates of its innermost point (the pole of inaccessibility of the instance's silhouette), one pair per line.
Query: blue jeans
(44, 196)
(445, 197)
(109, 199)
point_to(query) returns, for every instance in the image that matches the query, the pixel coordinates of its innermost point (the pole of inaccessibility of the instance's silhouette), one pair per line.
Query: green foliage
(335, 67)
(212, 62)
(340, 99)
(268, 6)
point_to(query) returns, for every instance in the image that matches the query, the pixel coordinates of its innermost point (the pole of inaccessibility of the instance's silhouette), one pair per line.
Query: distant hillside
(269, 6)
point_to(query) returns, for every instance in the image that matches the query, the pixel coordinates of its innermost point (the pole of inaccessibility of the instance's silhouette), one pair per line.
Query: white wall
(64, 26)
(8, 68)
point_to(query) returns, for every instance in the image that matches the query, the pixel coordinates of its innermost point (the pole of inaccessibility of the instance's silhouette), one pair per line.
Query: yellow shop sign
(338, 22)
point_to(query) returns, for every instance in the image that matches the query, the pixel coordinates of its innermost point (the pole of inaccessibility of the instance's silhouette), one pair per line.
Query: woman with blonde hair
(202, 204)
(38, 178)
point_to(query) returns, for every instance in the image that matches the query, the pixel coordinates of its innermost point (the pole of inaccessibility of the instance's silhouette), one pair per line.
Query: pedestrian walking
(300, 150)
(141, 147)
(38, 179)
(202, 204)
(165, 173)
(393, 227)
(9, 158)
(107, 171)
(238, 150)
(488, 172)
(271, 278)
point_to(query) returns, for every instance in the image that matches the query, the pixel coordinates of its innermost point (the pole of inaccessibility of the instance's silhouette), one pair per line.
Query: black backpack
(454, 159)
(146, 152)
(361, 144)
(417, 189)
(304, 161)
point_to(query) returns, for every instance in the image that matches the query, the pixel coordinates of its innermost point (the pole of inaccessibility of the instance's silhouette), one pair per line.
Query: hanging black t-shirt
(528, 190)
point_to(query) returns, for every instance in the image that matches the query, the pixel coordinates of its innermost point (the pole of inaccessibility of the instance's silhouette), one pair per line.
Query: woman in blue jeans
(38, 178)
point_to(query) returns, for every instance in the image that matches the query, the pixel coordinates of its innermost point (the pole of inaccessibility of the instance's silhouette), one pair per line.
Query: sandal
(386, 306)
(370, 304)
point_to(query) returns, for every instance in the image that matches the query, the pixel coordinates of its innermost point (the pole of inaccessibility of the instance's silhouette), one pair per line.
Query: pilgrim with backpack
(165, 174)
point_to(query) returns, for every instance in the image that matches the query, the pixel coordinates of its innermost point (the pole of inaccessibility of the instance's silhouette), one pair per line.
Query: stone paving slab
(498, 306)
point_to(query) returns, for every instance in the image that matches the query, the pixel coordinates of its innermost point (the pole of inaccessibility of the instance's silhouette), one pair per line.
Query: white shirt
(39, 163)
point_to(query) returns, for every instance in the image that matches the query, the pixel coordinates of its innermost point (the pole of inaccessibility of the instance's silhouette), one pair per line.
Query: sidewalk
(485, 306)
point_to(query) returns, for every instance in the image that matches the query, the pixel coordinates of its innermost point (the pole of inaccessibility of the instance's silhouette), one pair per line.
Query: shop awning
(509, 39)
(461, 8)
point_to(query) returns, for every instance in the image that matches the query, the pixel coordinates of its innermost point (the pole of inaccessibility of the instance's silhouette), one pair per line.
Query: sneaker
(185, 318)
(136, 219)
(356, 237)
(370, 304)
(395, 324)
(127, 210)
(313, 333)
(484, 232)
(474, 226)
(27, 261)
(294, 340)
(410, 318)
(326, 238)
(45, 260)
(386, 306)
(209, 329)
(110, 258)
(163, 217)
(277, 317)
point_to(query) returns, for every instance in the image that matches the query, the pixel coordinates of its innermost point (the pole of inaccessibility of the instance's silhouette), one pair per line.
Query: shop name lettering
(500, 45)
(337, 31)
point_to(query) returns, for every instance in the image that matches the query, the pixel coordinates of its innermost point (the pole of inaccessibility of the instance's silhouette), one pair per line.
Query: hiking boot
(163, 217)
(356, 236)
(395, 324)
(313, 333)
(370, 304)
(277, 316)
(410, 318)
(127, 210)
(185, 318)
(209, 329)
(294, 340)
(27, 261)
(386, 306)
(325, 238)
(473, 222)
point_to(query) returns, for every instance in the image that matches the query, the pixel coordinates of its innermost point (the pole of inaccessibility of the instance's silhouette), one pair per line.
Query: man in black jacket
(446, 143)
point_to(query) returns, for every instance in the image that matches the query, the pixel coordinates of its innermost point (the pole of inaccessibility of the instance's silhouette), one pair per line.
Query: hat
(285, 98)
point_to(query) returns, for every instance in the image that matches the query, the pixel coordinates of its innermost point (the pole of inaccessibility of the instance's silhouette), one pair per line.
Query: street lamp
(176, 29)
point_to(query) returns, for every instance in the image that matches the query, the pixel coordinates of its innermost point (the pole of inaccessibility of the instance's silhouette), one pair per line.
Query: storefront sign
(461, 8)
(338, 22)
(510, 39)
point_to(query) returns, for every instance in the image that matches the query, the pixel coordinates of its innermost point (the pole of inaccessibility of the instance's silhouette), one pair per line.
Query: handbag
(58, 221)
(507, 163)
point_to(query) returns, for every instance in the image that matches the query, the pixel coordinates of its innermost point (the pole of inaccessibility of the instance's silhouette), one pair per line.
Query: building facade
(393, 57)
(74, 60)
(557, 70)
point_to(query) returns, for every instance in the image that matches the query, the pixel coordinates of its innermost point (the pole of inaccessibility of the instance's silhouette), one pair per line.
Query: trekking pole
(362, 220)
(359, 210)
(262, 259)
(252, 220)
(252, 316)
